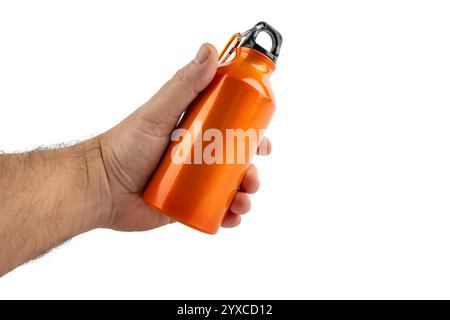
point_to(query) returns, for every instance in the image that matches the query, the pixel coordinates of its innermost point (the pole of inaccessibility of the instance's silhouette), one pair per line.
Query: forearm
(47, 197)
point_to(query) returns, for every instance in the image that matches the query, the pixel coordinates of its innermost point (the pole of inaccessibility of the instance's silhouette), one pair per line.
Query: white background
(355, 200)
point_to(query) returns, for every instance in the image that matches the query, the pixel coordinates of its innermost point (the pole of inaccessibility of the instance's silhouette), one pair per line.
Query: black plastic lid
(250, 40)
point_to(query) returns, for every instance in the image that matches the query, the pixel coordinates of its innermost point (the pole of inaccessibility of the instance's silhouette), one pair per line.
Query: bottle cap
(251, 35)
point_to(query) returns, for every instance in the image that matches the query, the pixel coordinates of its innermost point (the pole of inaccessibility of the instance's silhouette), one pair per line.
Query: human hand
(51, 195)
(131, 151)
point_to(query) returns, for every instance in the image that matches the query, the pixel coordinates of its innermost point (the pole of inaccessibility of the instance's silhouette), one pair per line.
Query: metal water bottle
(214, 142)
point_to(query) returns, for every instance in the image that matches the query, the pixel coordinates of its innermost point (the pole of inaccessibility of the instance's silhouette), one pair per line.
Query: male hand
(51, 195)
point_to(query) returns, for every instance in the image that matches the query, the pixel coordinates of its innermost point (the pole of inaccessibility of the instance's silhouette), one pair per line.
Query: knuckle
(183, 73)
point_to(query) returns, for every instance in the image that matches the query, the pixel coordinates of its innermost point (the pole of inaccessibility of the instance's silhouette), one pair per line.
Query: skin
(49, 196)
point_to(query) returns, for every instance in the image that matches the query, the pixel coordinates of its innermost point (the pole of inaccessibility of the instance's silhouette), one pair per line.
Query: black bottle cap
(250, 40)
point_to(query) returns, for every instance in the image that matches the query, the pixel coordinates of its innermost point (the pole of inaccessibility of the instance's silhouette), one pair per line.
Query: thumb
(169, 103)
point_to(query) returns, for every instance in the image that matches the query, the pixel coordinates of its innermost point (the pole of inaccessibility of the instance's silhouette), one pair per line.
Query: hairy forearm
(47, 197)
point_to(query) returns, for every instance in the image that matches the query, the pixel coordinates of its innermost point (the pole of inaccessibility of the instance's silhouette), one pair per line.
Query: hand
(132, 150)
(51, 195)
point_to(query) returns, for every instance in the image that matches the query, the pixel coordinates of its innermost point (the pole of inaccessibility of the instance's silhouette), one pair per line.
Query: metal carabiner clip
(235, 42)
(230, 47)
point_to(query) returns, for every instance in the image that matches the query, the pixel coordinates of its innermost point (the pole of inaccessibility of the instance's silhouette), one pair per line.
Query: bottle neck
(253, 59)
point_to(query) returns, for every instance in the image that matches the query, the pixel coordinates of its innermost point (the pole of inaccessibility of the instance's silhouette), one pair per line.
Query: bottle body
(201, 171)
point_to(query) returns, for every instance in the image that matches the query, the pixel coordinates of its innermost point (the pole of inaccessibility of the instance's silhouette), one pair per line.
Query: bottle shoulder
(248, 76)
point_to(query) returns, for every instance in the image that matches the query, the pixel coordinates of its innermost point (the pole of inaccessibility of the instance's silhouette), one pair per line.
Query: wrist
(95, 188)
(49, 196)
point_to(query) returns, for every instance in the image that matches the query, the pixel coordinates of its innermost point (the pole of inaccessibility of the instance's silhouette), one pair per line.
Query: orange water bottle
(217, 136)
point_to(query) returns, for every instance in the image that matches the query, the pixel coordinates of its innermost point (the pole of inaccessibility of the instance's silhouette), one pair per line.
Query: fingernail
(202, 54)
